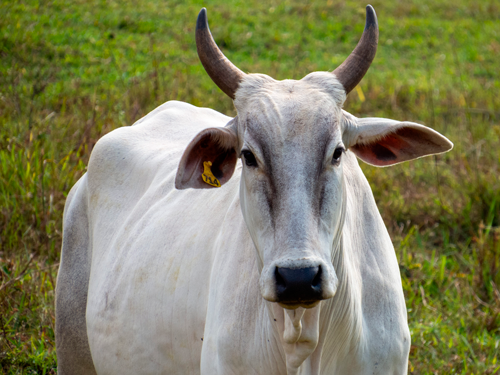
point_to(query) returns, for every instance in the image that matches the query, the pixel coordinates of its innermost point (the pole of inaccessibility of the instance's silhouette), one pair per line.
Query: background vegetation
(73, 71)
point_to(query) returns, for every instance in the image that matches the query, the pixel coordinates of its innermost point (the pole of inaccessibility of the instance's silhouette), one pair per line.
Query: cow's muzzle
(298, 283)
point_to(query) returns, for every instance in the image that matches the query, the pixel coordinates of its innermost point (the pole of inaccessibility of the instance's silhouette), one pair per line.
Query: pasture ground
(71, 71)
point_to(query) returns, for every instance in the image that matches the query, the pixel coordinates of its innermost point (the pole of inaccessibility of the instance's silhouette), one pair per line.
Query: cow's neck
(341, 317)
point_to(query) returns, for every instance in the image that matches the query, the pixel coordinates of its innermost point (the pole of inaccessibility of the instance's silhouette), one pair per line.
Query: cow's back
(145, 249)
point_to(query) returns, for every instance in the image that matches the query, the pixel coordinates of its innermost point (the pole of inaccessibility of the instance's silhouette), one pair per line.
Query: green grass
(72, 71)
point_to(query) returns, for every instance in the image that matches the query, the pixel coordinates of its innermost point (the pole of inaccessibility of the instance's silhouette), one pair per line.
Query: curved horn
(352, 70)
(219, 68)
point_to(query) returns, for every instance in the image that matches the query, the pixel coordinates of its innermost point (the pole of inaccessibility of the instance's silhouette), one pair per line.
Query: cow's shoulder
(151, 145)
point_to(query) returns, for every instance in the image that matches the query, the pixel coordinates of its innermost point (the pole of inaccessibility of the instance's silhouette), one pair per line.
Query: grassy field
(71, 72)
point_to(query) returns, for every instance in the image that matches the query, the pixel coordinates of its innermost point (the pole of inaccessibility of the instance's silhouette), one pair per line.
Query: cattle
(197, 243)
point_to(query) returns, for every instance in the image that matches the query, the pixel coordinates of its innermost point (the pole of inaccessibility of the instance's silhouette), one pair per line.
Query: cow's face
(291, 147)
(291, 136)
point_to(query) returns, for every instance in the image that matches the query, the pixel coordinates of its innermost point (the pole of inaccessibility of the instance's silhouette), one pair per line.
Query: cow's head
(292, 137)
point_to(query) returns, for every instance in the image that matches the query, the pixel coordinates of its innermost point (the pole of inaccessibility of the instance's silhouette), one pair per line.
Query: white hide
(177, 280)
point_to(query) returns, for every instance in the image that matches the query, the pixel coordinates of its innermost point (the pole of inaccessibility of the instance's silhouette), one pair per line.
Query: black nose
(296, 285)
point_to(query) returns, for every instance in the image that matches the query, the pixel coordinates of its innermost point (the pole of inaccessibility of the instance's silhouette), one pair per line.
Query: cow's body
(174, 274)
(287, 269)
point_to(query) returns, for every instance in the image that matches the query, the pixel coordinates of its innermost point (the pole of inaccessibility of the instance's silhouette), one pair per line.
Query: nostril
(280, 281)
(317, 279)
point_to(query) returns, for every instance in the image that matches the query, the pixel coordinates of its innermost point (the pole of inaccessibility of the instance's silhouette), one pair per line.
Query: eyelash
(337, 154)
(250, 160)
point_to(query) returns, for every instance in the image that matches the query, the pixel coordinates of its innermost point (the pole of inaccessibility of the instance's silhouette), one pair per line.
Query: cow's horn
(219, 68)
(356, 65)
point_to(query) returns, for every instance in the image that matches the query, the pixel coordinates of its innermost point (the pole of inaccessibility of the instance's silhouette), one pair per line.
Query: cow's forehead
(290, 110)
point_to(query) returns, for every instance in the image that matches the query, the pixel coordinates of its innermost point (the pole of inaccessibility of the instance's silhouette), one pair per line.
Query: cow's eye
(337, 155)
(249, 158)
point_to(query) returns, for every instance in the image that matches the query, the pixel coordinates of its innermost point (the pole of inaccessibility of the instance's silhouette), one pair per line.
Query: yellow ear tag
(207, 175)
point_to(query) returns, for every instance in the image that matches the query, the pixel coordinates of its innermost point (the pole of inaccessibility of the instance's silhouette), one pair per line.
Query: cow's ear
(209, 159)
(382, 142)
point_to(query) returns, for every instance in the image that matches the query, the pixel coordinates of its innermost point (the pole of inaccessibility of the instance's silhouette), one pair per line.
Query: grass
(73, 71)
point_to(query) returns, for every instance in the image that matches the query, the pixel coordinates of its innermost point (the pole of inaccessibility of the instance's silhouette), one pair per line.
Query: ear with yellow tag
(212, 152)
(208, 176)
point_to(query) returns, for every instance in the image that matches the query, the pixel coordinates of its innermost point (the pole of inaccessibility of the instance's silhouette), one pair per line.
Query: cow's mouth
(296, 304)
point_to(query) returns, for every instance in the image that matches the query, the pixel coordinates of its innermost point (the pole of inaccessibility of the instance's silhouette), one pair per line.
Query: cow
(197, 243)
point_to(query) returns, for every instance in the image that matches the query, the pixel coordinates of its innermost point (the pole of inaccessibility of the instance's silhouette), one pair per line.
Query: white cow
(286, 269)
